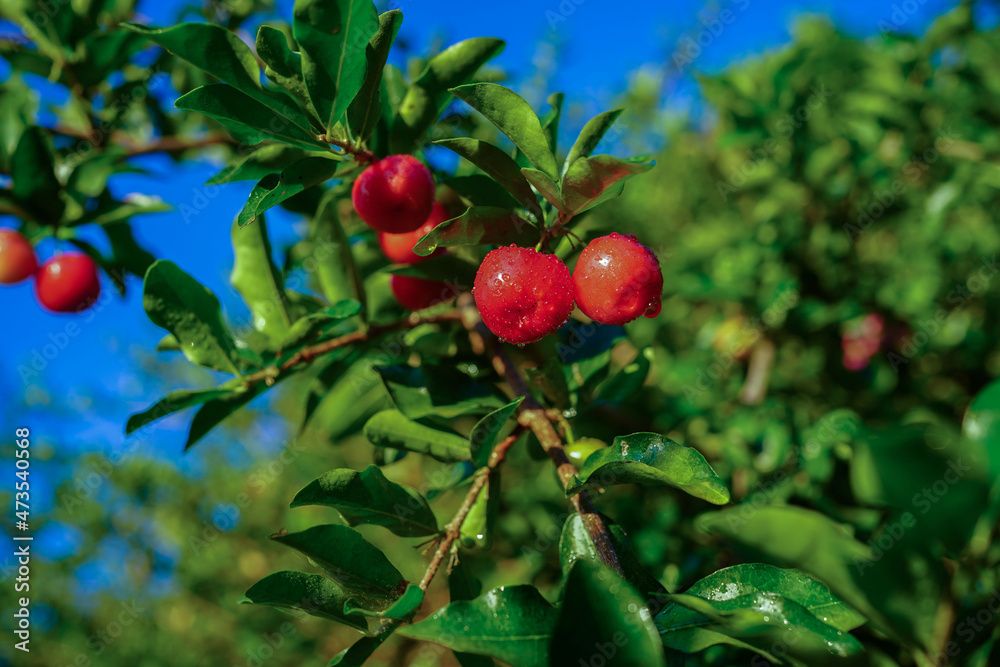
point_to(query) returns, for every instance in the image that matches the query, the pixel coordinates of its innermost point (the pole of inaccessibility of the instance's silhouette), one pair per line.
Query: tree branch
(532, 415)
(308, 353)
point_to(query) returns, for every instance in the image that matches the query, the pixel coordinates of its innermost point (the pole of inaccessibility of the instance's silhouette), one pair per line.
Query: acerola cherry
(581, 448)
(415, 293)
(399, 247)
(523, 295)
(17, 257)
(395, 194)
(617, 280)
(68, 283)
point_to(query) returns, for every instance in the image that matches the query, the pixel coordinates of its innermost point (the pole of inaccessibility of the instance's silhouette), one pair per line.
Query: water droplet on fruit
(520, 345)
(654, 309)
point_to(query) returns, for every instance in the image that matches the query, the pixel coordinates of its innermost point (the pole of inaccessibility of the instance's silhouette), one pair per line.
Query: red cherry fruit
(617, 280)
(399, 247)
(17, 257)
(68, 283)
(395, 194)
(523, 295)
(415, 293)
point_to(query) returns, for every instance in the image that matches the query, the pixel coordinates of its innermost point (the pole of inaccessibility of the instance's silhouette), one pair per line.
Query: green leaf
(594, 180)
(401, 609)
(335, 267)
(173, 402)
(758, 621)
(550, 121)
(545, 185)
(512, 624)
(268, 159)
(440, 391)
(429, 95)
(284, 66)
(311, 593)
(247, 119)
(351, 561)
(575, 543)
(898, 591)
(602, 614)
(274, 188)
(368, 497)
(486, 432)
(479, 225)
(214, 411)
(366, 109)
(221, 53)
(33, 170)
(318, 324)
(359, 652)
(629, 380)
(389, 428)
(652, 459)
(590, 136)
(497, 165)
(259, 282)
(180, 304)
(333, 36)
(481, 190)
(477, 529)
(515, 118)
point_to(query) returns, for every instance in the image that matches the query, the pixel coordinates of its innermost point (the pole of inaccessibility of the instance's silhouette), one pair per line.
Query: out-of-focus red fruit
(415, 293)
(17, 257)
(399, 247)
(68, 283)
(617, 280)
(862, 341)
(395, 194)
(523, 295)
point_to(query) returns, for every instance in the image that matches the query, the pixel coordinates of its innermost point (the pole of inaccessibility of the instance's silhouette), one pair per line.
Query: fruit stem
(534, 416)
(360, 154)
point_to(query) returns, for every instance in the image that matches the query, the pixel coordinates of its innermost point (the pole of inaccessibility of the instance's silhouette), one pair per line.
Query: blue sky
(89, 379)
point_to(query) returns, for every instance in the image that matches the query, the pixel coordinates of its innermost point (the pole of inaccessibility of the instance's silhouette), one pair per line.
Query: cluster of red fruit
(67, 283)
(522, 295)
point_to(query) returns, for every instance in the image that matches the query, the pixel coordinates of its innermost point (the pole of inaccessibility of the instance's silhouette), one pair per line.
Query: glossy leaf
(318, 324)
(429, 94)
(512, 624)
(366, 109)
(477, 529)
(594, 180)
(481, 190)
(311, 593)
(438, 391)
(33, 170)
(268, 159)
(514, 117)
(274, 188)
(222, 53)
(390, 428)
(550, 120)
(259, 282)
(332, 38)
(284, 66)
(544, 184)
(486, 433)
(338, 275)
(479, 225)
(247, 119)
(173, 402)
(590, 136)
(214, 411)
(401, 609)
(358, 653)
(367, 497)
(600, 610)
(351, 561)
(497, 165)
(652, 459)
(180, 304)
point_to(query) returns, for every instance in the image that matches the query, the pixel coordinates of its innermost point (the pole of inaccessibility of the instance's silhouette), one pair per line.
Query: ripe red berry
(415, 293)
(395, 194)
(399, 247)
(523, 295)
(17, 257)
(68, 283)
(617, 280)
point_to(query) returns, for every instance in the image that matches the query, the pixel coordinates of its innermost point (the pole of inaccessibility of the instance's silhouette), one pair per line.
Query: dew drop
(520, 345)
(569, 413)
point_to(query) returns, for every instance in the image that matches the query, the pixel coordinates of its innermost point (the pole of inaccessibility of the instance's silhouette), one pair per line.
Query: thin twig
(306, 354)
(359, 153)
(534, 416)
